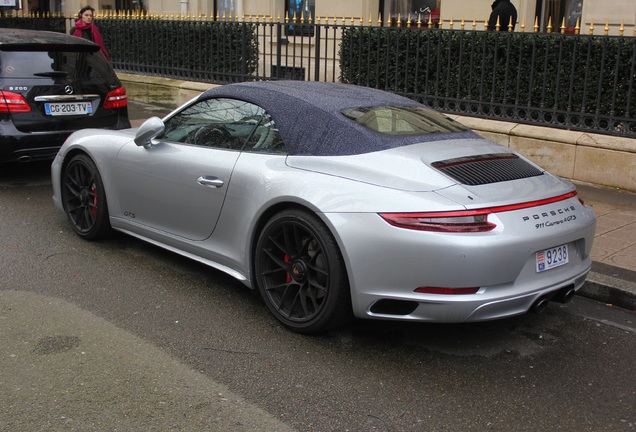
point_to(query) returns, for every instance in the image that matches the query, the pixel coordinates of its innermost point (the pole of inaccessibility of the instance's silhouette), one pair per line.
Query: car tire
(84, 199)
(300, 273)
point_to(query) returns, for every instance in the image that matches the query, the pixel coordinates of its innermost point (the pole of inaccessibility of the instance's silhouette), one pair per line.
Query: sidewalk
(613, 276)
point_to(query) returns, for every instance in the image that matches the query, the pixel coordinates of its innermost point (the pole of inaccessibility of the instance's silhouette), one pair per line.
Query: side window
(266, 138)
(218, 123)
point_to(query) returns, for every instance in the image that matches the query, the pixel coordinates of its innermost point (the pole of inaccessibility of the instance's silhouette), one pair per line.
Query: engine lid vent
(487, 168)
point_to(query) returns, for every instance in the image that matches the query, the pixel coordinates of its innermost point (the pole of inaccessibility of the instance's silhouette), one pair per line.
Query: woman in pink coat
(85, 28)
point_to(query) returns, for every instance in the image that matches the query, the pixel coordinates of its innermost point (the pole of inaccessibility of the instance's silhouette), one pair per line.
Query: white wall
(612, 13)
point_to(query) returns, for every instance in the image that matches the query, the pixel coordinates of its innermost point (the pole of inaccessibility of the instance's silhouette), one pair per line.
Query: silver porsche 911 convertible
(335, 201)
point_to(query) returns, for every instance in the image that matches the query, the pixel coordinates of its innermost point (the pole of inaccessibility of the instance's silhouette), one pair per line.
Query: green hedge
(564, 73)
(204, 50)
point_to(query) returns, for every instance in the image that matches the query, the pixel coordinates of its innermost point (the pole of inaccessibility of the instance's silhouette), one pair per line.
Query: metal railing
(576, 81)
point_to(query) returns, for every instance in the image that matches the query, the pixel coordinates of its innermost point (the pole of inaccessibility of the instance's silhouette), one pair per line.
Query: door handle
(210, 181)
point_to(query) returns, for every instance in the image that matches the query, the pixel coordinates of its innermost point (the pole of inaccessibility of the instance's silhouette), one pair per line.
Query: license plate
(68, 108)
(551, 258)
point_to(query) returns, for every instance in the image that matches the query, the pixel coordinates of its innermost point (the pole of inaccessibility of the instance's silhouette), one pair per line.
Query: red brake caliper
(288, 277)
(94, 208)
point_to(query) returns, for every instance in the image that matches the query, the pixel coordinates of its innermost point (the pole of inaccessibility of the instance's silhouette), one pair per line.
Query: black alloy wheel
(84, 199)
(300, 273)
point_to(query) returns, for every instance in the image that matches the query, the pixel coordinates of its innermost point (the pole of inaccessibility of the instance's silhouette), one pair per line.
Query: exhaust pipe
(540, 305)
(564, 295)
(24, 159)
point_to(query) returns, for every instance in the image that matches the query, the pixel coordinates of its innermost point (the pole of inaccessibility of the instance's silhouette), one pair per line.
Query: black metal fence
(578, 82)
(206, 51)
(581, 82)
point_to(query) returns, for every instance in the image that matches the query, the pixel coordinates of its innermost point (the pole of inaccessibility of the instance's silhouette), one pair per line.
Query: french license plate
(68, 108)
(551, 258)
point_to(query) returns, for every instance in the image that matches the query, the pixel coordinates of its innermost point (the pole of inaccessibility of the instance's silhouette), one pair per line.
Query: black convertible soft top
(310, 120)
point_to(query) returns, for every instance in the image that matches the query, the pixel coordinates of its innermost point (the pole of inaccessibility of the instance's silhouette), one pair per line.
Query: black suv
(52, 84)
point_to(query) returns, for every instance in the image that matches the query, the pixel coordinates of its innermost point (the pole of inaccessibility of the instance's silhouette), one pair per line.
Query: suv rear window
(403, 120)
(19, 64)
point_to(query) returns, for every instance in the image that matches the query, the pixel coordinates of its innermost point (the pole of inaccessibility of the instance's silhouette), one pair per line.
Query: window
(229, 9)
(302, 10)
(423, 10)
(573, 15)
(403, 121)
(55, 64)
(128, 5)
(266, 138)
(557, 10)
(218, 123)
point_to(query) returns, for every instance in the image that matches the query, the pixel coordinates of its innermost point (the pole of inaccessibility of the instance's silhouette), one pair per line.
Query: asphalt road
(121, 335)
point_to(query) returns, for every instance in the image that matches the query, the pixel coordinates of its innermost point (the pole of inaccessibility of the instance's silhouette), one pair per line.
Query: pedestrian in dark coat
(504, 10)
(85, 28)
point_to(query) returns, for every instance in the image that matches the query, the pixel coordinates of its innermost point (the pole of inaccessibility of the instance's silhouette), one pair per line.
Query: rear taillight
(13, 103)
(116, 99)
(462, 221)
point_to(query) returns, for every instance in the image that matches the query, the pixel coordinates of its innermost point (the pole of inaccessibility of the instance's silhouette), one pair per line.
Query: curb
(609, 289)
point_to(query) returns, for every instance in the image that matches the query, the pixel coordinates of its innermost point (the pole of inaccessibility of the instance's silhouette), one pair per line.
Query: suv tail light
(116, 99)
(13, 103)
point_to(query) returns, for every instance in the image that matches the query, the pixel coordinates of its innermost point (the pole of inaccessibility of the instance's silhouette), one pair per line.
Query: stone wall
(592, 158)
(164, 92)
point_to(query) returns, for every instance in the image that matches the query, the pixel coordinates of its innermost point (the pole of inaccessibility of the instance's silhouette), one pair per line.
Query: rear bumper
(474, 310)
(17, 146)
(31, 147)
(386, 268)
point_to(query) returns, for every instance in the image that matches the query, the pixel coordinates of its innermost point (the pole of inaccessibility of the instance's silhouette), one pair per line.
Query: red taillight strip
(451, 221)
(488, 210)
(529, 204)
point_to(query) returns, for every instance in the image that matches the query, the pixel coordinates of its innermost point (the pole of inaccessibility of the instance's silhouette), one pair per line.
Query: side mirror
(149, 130)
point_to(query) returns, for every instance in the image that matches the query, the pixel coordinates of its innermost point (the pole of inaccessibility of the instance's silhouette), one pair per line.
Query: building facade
(617, 16)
